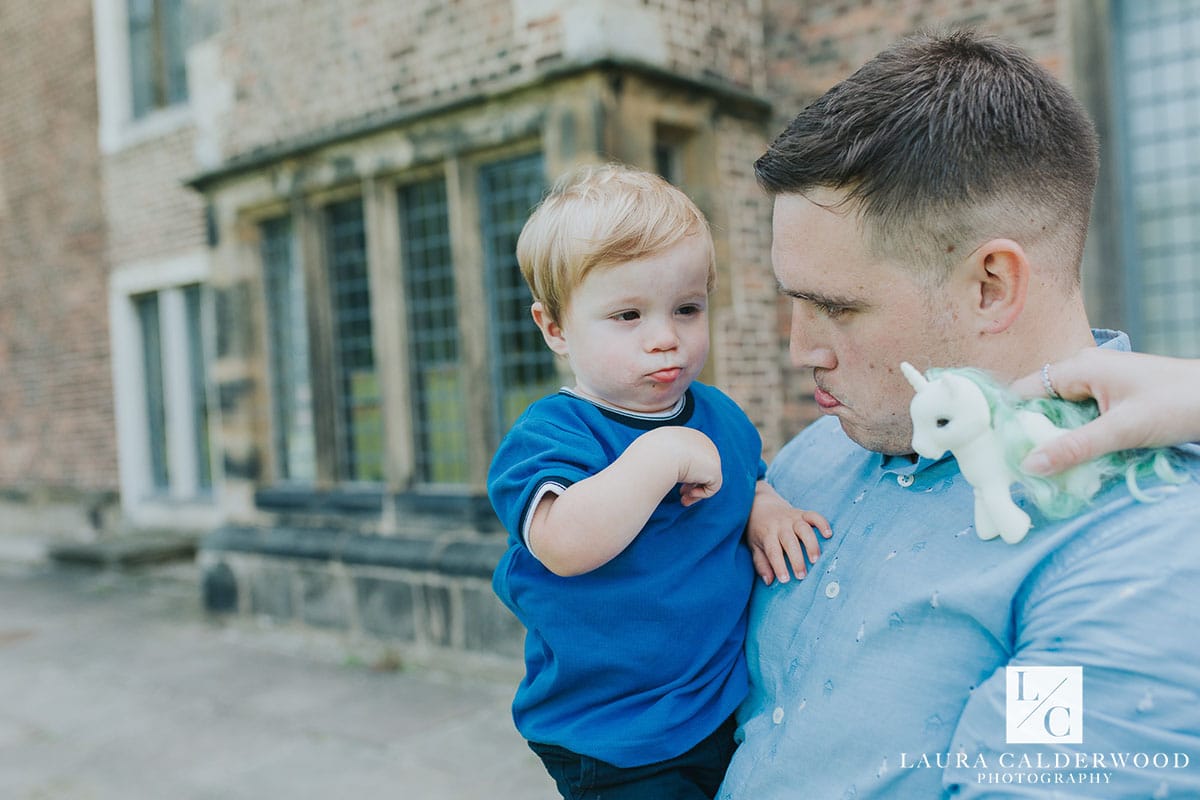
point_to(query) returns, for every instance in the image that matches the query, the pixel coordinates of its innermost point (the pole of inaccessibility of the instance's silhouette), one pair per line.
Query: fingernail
(1036, 463)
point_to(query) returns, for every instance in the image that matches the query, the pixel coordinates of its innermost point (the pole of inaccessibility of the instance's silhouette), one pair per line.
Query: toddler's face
(636, 334)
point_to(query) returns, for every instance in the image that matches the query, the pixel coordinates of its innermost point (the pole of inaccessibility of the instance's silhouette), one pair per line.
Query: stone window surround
(118, 127)
(389, 325)
(603, 111)
(185, 505)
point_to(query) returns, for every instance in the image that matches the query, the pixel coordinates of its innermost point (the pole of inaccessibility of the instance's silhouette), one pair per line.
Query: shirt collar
(1111, 340)
(904, 465)
(678, 414)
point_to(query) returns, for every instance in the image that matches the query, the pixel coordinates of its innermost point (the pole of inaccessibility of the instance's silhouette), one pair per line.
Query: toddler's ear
(552, 332)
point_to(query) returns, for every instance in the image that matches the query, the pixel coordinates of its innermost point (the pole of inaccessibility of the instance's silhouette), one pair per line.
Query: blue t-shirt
(883, 673)
(640, 659)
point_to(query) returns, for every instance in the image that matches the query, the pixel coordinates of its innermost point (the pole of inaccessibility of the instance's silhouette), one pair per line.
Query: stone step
(126, 551)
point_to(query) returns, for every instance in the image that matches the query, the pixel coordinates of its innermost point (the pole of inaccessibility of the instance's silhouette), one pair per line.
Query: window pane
(288, 341)
(360, 445)
(439, 405)
(173, 32)
(157, 47)
(523, 366)
(199, 386)
(156, 416)
(141, 56)
(1159, 47)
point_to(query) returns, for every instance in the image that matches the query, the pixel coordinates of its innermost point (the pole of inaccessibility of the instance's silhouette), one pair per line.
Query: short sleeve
(537, 453)
(1118, 601)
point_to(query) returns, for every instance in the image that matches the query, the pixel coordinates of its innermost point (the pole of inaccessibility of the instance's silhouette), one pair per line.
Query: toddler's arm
(593, 520)
(776, 532)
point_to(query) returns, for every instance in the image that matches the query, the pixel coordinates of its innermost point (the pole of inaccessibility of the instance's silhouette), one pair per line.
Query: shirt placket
(834, 593)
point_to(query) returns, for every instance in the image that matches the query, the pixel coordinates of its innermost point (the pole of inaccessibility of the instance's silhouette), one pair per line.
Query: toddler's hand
(695, 457)
(778, 534)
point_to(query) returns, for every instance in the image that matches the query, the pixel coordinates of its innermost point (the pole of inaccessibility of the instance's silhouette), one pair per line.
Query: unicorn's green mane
(1051, 494)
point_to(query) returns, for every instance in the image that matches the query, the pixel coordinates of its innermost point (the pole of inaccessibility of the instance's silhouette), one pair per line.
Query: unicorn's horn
(914, 376)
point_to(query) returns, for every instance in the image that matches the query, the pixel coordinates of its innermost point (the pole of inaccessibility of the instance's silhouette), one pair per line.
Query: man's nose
(805, 345)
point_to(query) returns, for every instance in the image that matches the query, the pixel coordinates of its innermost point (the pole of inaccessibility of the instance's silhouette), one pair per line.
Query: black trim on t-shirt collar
(639, 421)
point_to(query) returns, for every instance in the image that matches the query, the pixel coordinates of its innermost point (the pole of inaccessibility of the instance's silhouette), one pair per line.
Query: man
(932, 208)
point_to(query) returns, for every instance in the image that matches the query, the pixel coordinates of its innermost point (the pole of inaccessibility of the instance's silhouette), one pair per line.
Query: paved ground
(116, 685)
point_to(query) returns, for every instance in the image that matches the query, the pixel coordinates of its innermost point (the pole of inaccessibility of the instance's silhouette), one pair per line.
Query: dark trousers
(695, 775)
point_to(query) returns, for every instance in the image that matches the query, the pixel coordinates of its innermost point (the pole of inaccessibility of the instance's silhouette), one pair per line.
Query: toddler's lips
(666, 375)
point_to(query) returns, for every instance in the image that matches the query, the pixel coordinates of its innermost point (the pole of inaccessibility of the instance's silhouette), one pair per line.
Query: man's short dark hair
(943, 142)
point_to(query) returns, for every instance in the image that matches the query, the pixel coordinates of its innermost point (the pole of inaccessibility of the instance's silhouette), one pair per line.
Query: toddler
(627, 498)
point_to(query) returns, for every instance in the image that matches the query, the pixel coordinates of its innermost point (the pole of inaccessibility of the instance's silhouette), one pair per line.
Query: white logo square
(1044, 705)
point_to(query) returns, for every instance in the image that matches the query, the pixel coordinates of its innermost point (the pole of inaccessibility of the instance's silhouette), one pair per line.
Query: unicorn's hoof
(1016, 531)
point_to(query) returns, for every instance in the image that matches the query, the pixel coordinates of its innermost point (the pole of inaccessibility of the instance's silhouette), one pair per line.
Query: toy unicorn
(990, 432)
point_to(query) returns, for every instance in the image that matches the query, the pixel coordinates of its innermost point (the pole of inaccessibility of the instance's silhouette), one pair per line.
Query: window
(471, 369)
(171, 369)
(523, 367)
(359, 419)
(1158, 76)
(197, 394)
(156, 417)
(291, 389)
(669, 142)
(356, 445)
(438, 402)
(157, 44)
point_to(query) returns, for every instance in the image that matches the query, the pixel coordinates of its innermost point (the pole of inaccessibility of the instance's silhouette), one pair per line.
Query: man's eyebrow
(819, 299)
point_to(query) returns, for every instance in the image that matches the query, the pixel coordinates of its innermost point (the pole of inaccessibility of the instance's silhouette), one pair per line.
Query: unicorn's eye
(942, 422)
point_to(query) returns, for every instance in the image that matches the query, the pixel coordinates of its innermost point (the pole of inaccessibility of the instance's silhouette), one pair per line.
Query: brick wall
(56, 402)
(811, 46)
(746, 350)
(151, 214)
(303, 68)
(302, 71)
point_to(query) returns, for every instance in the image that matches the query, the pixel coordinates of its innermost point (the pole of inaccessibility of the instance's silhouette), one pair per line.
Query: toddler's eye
(626, 316)
(688, 310)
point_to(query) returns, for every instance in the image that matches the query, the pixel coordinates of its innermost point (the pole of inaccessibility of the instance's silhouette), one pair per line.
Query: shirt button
(904, 480)
(777, 717)
(832, 589)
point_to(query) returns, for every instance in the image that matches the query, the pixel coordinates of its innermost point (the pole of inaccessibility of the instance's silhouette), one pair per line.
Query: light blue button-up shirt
(883, 673)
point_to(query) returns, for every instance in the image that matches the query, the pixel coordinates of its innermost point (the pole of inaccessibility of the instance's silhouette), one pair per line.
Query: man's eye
(833, 312)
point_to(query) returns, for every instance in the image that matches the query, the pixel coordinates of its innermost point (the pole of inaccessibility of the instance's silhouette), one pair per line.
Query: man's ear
(999, 280)
(552, 332)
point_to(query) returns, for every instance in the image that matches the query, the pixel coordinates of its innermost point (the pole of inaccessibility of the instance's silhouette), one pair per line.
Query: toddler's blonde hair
(598, 216)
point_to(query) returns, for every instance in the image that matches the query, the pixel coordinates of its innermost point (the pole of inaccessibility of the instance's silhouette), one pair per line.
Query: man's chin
(889, 443)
